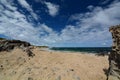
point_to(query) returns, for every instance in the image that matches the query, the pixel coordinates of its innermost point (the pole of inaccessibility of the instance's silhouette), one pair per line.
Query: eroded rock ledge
(8, 45)
(114, 57)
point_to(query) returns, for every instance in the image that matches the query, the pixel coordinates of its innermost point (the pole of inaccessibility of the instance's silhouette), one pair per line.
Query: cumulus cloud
(24, 4)
(90, 27)
(53, 9)
(14, 25)
(93, 26)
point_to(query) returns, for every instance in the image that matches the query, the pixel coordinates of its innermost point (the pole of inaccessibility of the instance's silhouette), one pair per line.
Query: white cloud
(53, 9)
(14, 24)
(24, 4)
(8, 6)
(105, 2)
(90, 7)
(91, 27)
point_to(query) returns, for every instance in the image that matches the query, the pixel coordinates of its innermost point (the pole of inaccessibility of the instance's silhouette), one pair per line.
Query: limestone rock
(114, 57)
(8, 45)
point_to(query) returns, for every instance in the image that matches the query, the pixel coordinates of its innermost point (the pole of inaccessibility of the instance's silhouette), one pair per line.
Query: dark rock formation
(8, 45)
(114, 57)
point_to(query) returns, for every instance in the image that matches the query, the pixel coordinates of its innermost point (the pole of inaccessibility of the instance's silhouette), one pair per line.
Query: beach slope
(51, 65)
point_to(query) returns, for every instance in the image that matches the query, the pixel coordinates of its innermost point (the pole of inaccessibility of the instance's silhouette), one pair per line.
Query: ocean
(83, 49)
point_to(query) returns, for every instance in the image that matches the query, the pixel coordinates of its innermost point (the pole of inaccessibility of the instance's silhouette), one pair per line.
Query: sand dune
(47, 65)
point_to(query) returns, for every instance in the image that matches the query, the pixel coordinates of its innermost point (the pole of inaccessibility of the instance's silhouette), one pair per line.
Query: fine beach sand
(52, 65)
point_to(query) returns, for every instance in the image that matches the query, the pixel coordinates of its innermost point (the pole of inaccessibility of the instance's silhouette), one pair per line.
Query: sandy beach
(52, 65)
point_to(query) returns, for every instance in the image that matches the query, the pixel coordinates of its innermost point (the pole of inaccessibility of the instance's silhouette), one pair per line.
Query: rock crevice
(114, 57)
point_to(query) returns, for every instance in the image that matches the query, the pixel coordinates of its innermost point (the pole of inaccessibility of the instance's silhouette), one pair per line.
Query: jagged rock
(29, 52)
(114, 57)
(8, 45)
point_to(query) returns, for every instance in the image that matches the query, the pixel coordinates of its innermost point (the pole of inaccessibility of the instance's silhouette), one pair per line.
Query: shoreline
(77, 52)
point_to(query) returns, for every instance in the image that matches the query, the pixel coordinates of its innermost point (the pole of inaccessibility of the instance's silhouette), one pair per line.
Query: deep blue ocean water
(83, 49)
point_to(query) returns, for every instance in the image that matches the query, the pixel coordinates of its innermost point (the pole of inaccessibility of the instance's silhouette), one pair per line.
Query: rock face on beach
(114, 57)
(8, 45)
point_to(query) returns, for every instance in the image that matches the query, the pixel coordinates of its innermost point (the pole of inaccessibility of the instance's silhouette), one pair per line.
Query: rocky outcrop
(114, 57)
(8, 45)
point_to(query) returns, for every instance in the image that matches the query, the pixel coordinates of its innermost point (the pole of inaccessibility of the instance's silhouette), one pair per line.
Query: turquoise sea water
(83, 49)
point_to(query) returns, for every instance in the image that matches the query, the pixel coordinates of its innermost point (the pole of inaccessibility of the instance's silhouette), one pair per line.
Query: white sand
(45, 65)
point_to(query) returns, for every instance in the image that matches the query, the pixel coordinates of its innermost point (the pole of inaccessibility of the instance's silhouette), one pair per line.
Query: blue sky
(61, 23)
